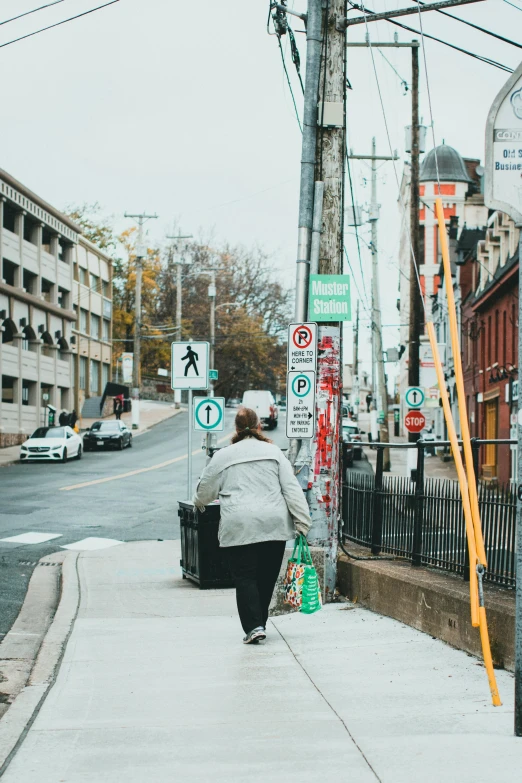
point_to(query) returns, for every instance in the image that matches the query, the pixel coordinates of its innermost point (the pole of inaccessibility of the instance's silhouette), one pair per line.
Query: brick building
(490, 343)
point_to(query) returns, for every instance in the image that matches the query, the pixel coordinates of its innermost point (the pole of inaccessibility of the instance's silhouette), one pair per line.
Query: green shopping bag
(301, 584)
(311, 590)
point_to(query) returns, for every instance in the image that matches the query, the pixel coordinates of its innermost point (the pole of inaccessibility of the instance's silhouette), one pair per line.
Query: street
(75, 501)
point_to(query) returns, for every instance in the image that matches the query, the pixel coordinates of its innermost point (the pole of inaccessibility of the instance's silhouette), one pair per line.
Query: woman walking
(262, 506)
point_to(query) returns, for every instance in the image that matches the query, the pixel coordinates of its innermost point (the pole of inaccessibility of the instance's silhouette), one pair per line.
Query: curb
(18, 719)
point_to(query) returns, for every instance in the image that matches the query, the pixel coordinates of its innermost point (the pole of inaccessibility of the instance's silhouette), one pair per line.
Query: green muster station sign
(329, 298)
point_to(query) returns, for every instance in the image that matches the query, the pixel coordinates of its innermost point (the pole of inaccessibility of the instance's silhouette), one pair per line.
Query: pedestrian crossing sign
(189, 365)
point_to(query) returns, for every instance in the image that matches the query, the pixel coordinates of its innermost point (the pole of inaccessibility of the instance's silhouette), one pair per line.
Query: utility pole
(141, 253)
(179, 283)
(380, 394)
(416, 309)
(324, 497)
(355, 365)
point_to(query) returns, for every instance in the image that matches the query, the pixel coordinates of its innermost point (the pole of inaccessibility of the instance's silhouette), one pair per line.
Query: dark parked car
(351, 430)
(347, 449)
(107, 434)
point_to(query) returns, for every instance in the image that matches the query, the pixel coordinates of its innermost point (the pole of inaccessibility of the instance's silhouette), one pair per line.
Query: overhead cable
(27, 13)
(475, 26)
(57, 24)
(480, 57)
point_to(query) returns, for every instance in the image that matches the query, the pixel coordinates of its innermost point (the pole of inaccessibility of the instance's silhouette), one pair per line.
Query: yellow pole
(461, 473)
(488, 661)
(459, 380)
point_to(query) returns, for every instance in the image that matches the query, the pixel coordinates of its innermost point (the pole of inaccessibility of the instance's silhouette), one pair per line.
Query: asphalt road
(76, 501)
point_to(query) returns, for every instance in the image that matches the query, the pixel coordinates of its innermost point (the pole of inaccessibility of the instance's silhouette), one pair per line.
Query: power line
(475, 26)
(513, 5)
(27, 13)
(403, 82)
(480, 57)
(289, 83)
(361, 299)
(57, 24)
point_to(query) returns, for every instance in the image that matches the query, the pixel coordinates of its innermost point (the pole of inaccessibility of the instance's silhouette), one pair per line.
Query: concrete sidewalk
(155, 685)
(151, 413)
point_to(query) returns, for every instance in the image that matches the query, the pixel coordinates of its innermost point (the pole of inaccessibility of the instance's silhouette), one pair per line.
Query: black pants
(255, 568)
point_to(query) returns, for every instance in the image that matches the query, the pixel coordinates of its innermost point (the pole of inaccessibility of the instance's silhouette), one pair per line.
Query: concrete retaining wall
(430, 601)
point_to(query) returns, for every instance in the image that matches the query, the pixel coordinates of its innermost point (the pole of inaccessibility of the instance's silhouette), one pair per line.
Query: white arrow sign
(414, 397)
(189, 365)
(209, 414)
(302, 346)
(300, 404)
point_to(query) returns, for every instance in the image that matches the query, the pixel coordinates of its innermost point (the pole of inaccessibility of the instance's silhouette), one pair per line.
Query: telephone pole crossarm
(343, 24)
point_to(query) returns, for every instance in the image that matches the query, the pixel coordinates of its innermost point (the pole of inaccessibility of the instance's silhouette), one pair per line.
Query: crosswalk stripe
(31, 538)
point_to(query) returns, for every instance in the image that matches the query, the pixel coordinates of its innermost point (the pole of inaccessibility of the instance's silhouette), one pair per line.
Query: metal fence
(423, 520)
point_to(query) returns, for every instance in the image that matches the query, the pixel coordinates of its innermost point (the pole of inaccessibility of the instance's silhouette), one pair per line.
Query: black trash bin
(202, 560)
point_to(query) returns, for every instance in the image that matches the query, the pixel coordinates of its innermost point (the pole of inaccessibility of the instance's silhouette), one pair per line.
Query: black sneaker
(255, 636)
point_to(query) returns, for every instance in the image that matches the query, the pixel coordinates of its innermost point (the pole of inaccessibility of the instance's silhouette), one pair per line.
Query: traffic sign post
(302, 346)
(414, 397)
(415, 421)
(209, 414)
(300, 404)
(189, 370)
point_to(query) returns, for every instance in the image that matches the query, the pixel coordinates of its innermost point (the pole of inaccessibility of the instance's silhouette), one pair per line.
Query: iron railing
(422, 518)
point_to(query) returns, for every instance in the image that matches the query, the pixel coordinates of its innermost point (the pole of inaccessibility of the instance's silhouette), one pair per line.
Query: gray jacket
(259, 495)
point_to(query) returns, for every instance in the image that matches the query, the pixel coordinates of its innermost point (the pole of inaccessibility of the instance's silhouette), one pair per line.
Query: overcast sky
(182, 108)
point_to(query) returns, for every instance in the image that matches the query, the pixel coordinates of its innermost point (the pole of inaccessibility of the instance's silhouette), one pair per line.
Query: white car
(51, 444)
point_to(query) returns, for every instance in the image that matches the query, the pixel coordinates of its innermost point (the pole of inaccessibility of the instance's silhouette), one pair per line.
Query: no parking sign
(302, 346)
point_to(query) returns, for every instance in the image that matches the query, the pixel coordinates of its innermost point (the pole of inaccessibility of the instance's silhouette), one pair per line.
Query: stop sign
(414, 421)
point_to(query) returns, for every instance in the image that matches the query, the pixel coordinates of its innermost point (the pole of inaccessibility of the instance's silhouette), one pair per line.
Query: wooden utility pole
(416, 309)
(324, 497)
(355, 363)
(141, 253)
(379, 391)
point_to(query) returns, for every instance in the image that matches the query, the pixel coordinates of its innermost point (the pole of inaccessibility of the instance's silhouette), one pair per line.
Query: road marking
(31, 538)
(92, 543)
(137, 471)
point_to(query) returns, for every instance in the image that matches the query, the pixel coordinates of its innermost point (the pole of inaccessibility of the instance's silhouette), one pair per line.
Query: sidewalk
(155, 685)
(151, 413)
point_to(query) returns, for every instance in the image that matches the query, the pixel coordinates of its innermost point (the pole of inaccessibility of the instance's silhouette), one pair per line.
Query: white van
(263, 403)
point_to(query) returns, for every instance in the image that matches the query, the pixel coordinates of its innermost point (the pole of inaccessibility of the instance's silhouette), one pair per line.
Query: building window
(83, 320)
(83, 373)
(94, 282)
(46, 240)
(28, 392)
(489, 341)
(8, 388)
(30, 281)
(95, 326)
(105, 376)
(63, 251)
(47, 289)
(29, 339)
(8, 331)
(504, 338)
(9, 218)
(106, 288)
(107, 308)
(30, 230)
(95, 376)
(9, 272)
(63, 298)
(106, 334)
